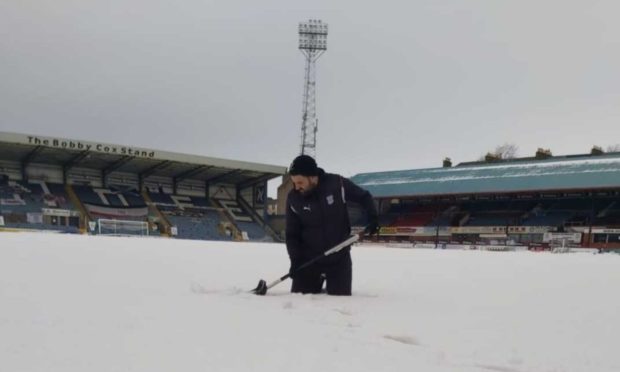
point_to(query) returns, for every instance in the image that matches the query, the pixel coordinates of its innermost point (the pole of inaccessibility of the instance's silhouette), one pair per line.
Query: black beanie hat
(303, 165)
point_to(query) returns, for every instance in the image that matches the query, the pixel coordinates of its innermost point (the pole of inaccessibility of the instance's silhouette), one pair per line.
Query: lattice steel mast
(312, 44)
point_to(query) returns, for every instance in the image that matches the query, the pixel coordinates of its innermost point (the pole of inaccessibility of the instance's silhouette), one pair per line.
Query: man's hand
(372, 228)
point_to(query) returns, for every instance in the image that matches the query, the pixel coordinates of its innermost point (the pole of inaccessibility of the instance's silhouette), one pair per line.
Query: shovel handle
(352, 239)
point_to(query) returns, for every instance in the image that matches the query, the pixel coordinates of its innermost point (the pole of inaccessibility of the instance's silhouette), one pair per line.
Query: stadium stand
(193, 217)
(408, 213)
(202, 226)
(527, 200)
(84, 182)
(243, 221)
(609, 215)
(67, 185)
(37, 205)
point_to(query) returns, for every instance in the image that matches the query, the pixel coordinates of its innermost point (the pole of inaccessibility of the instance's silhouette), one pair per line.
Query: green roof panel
(568, 173)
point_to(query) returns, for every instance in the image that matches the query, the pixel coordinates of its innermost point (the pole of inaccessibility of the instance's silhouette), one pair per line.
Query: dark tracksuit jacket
(319, 221)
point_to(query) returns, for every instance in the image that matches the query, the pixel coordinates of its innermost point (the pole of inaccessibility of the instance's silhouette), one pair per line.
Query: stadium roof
(108, 158)
(582, 172)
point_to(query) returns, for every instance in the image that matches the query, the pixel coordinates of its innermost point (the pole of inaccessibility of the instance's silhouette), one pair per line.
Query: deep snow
(77, 303)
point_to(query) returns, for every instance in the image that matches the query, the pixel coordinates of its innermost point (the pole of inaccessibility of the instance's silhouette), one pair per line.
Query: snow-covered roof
(26, 148)
(566, 173)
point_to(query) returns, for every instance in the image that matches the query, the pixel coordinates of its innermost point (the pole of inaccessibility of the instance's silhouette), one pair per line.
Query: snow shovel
(262, 287)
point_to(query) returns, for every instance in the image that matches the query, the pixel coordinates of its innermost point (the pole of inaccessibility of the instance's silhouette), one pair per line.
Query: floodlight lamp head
(313, 35)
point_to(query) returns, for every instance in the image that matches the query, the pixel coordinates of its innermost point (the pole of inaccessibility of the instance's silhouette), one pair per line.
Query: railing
(153, 208)
(86, 217)
(258, 219)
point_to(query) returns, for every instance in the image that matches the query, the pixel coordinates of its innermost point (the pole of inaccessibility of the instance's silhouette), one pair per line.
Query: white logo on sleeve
(307, 208)
(330, 199)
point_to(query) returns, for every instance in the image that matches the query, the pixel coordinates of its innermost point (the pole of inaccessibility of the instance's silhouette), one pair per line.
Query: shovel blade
(261, 288)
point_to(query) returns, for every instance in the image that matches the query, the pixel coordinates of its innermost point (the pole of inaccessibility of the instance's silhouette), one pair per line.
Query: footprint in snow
(287, 305)
(407, 340)
(199, 289)
(343, 312)
(496, 368)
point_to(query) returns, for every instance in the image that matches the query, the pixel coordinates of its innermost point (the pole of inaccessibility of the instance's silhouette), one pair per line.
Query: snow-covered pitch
(77, 303)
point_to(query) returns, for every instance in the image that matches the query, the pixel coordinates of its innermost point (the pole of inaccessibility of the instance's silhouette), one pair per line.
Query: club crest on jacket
(330, 199)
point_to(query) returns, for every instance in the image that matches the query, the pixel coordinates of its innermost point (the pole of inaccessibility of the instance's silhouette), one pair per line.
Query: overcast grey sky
(402, 85)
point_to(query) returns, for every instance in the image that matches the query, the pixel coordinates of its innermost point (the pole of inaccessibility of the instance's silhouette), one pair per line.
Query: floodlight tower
(312, 44)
